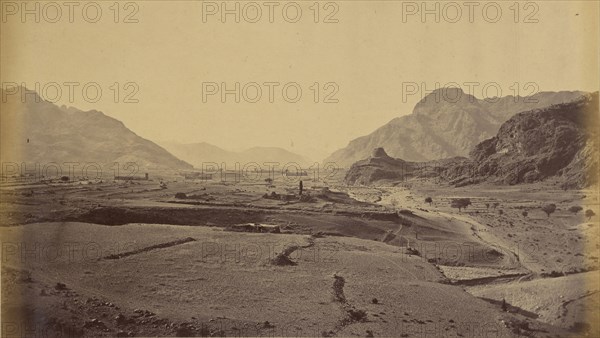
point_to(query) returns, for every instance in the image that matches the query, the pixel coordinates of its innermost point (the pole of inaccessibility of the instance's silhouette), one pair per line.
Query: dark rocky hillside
(558, 141)
(380, 167)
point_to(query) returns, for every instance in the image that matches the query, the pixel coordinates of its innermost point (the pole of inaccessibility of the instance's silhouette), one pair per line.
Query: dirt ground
(252, 258)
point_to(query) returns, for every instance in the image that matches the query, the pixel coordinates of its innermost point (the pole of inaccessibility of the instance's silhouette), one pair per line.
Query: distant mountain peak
(379, 152)
(449, 91)
(440, 100)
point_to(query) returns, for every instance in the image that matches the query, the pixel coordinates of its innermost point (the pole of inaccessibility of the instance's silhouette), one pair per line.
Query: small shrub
(575, 209)
(549, 209)
(460, 203)
(589, 213)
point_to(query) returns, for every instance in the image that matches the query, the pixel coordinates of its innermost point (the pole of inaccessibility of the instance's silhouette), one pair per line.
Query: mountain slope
(198, 153)
(37, 131)
(441, 128)
(560, 140)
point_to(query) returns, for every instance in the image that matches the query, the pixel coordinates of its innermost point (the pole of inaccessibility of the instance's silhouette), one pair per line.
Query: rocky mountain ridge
(38, 131)
(560, 141)
(446, 123)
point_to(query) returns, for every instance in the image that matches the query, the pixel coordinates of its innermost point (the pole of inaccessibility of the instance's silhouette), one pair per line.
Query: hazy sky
(373, 49)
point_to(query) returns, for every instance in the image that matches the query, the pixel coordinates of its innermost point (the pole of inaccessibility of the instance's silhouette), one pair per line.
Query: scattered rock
(184, 330)
(357, 315)
(120, 319)
(122, 333)
(60, 286)
(94, 323)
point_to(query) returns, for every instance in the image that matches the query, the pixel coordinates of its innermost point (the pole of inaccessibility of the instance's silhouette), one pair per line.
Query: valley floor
(245, 259)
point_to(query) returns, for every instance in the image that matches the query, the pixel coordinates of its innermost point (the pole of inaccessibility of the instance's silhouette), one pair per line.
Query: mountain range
(34, 130)
(199, 153)
(445, 123)
(37, 131)
(560, 140)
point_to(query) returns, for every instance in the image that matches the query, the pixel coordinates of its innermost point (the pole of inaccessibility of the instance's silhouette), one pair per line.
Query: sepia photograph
(299, 168)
